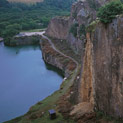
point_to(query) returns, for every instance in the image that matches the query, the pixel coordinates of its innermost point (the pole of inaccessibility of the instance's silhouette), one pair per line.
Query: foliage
(16, 17)
(91, 27)
(82, 30)
(73, 29)
(74, 15)
(109, 11)
(4, 3)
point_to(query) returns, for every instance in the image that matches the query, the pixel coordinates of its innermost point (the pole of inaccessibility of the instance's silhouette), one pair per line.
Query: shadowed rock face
(108, 66)
(83, 14)
(101, 83)
(58, 28)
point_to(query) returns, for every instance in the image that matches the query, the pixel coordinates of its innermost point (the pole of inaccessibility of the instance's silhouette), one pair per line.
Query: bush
(109, 11)
(73, 29)
(82, 30)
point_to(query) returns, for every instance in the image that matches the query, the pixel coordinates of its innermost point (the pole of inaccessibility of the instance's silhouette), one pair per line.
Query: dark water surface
(24, 80)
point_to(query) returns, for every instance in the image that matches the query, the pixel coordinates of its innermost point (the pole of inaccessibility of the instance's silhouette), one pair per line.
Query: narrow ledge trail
(53, 46)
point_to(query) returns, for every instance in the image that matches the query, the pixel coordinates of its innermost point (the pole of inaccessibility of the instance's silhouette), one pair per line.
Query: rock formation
(83, 13)
(101, 83)
(58, 28)
(23, 40)
(107, 62)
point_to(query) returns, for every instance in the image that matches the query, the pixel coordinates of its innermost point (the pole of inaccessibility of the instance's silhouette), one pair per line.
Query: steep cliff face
(101, 81)
(58, 28)
(24, 40)
(86, 86)
(83, 12)
(102, 74)
(54, 58)
(108, 66)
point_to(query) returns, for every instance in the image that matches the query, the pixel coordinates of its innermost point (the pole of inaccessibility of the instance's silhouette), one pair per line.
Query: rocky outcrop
(108, 66)
(83, 12)
(58, 28)
(54, 58)
(101, 84)
(86, 86)
(102, 73)
(23, 40)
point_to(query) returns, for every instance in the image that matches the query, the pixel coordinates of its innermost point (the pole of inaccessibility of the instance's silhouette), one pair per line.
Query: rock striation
(58, 28)
(107, 49)
(101, 81)
(51, 56)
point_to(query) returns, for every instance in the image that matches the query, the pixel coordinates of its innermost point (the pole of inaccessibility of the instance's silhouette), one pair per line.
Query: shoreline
(64, 66)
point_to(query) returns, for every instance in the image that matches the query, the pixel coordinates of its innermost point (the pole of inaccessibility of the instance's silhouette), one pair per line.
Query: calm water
(24, 80)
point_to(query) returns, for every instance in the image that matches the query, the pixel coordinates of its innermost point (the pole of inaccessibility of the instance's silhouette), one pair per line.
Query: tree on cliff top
(109, 11)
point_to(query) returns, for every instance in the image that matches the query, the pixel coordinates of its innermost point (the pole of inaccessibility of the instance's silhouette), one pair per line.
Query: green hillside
(16, 17)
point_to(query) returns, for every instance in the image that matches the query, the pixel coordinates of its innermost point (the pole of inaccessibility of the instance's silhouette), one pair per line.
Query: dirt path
(53, 46)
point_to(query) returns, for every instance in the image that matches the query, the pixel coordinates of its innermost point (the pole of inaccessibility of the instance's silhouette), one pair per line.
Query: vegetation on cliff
(73, 29)
(109, 11)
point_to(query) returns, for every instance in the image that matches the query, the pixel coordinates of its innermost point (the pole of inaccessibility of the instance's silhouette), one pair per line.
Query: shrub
(109, 11)
(82, 30)
(73, 29)
(74, 15)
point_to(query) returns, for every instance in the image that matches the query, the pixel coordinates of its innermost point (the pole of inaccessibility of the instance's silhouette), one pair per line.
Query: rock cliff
(83, 12)
(58, 28)
(54, 58)
(107, 49)
(101, 82)
(23, 40)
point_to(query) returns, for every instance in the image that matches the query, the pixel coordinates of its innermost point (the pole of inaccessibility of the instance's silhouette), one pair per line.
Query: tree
(109, 11)
(73, 29)
(11, 30)
(4, 3)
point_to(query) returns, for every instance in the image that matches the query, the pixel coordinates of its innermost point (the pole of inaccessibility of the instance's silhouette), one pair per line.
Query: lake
(24, 80)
